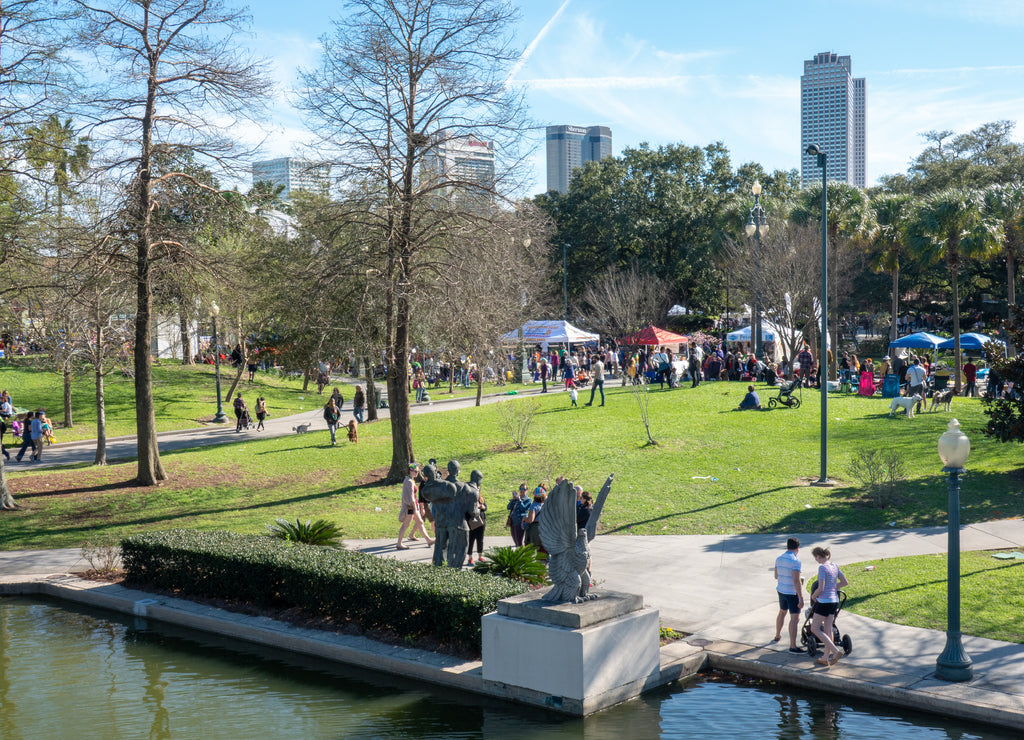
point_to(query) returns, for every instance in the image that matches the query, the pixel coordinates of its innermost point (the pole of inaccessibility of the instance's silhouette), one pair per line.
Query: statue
(452, 500)
(568, 545)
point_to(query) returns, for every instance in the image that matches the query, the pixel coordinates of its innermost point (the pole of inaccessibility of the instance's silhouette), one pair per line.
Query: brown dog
(353, 431)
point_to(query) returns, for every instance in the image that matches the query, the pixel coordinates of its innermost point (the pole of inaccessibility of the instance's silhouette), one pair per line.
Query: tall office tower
(294, 174)
(833, 114)
(569, 147)
(461, 160)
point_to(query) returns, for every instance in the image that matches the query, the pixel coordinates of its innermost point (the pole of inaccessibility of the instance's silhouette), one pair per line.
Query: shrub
(881, 472)
(517, 564)
(321, 532)
(376, 593)
(103, 558)
(516, 418)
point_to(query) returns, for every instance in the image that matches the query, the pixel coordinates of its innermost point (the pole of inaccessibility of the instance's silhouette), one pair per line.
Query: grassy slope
(757, 457)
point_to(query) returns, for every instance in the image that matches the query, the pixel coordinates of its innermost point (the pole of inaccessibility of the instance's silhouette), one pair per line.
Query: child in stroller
(786, 397)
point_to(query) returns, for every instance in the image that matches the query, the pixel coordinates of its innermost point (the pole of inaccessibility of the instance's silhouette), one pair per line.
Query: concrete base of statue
(574, 658)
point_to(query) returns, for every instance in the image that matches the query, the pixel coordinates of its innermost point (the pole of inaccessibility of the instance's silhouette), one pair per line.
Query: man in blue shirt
(791, 593)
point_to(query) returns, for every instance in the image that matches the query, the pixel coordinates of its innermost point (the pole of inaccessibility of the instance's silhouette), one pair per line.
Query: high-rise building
(569, 147)
(462, 160)
(833, 114)
(294, 174)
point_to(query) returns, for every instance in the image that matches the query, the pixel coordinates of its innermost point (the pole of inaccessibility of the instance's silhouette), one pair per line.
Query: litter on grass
(702, 477)
(1015, 555)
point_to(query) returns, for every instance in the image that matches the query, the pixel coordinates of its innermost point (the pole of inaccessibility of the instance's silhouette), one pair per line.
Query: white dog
(945, 398)
(907, 404)
(301, 428)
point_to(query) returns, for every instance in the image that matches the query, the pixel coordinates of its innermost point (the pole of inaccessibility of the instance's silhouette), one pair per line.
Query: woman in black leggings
(477, 535)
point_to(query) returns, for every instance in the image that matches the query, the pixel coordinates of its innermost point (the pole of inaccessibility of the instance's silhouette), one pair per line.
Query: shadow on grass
(964, 576)
(625, 527)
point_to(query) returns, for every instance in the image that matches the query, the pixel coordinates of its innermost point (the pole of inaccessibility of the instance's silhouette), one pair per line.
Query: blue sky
(694, 71)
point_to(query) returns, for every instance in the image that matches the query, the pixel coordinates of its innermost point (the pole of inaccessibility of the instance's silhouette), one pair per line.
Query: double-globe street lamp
(220, 417)
(816, 151)
(953, 664)
(757, 225)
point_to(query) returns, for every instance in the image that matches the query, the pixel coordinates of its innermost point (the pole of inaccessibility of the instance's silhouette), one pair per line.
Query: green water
(73, 673)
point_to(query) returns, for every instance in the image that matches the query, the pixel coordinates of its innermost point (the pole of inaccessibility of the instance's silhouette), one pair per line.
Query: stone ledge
(532, 608)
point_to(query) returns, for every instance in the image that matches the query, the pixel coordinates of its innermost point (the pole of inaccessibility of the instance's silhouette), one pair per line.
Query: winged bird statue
(568, 544)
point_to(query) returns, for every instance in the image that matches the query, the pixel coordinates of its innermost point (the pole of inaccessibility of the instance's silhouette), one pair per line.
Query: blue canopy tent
(920, 340)
(971, 341)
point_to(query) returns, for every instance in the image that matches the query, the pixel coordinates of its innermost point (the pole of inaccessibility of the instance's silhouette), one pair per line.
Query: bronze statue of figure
(452, 500)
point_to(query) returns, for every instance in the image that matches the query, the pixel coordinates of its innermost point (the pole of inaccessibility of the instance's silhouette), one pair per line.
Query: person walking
(915, 381)
(518, 508)
(694, 367)
(544, 369)
(476, 535)
(806, 361)
(239, 405)
(410, 509)
(32, 436)
(358, 404)
(332, 415)
(261, 412)
(791, 593)
(597, 368)
(826, 598)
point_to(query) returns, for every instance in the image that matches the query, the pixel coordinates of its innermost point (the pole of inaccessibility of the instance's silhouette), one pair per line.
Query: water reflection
(76, 673)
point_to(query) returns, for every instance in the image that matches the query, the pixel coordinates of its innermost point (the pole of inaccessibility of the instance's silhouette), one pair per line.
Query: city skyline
(569, 148)
(697, 73)
(833, 116)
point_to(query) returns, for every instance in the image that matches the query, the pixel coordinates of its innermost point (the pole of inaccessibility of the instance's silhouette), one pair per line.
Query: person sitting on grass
(750, 401)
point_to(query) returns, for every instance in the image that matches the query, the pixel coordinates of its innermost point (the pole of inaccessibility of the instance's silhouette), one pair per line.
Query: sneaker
(471, 561)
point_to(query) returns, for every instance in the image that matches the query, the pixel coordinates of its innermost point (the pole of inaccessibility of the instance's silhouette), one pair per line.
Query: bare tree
(402, 86)
(173, 67)
(626, 300)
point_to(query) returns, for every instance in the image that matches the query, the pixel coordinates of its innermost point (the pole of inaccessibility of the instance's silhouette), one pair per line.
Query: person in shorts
(915, 379)
(791, 593)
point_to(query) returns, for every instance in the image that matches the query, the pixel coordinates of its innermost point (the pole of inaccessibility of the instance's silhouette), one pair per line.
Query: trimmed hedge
(410, 599)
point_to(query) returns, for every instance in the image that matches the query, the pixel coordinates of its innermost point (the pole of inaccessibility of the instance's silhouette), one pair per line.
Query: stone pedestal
(576, 658)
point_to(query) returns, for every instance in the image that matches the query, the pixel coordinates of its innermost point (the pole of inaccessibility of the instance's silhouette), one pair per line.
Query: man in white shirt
(915, 379)
(598, 380)
(791, 593)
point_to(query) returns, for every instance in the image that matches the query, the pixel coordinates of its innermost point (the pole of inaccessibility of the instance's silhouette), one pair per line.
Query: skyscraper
(463, 160)
(833, 114)
(569, 147)
(294, 174)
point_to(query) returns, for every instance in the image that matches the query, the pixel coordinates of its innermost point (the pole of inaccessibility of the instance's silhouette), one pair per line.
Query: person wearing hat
(518, 508)
(410, 511)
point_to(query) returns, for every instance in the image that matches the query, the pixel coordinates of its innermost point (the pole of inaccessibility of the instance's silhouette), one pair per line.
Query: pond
(71, 672)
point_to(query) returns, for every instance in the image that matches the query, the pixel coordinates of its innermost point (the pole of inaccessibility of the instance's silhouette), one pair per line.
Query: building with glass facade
(569, 147)
(833, 114)
(294, 174)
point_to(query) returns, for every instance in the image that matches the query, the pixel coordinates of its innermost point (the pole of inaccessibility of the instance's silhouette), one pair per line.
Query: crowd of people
(33, 430)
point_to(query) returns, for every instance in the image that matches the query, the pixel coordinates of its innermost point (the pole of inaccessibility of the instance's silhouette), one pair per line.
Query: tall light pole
(220, 417)
(816, 151)
(953, 664)
(757, 225)
(565, 282)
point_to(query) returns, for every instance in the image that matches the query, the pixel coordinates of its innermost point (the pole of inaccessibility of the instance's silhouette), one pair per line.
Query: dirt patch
(375, 477)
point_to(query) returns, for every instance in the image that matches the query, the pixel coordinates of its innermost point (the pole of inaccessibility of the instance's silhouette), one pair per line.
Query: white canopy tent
(551, 332)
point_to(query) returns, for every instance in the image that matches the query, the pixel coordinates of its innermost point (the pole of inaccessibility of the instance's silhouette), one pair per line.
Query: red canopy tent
(653, 335)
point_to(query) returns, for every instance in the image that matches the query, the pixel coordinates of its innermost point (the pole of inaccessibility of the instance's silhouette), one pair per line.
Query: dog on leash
(907, 403)
(353, 431)
(945, 398)
(301, 428)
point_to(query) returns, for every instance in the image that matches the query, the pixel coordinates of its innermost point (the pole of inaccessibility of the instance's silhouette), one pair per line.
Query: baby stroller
(786, 397)
(807, 638)
(244, 421)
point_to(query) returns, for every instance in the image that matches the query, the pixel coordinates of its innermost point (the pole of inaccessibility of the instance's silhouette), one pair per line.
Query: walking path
(719, 590)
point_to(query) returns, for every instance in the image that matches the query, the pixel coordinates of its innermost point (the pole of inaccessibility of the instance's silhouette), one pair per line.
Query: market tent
(746, 335)
(920, 340)
(651, 334)
(551, 332)
(970, 341)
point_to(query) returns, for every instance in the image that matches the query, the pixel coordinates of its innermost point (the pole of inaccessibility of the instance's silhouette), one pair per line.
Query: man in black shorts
(791, 593)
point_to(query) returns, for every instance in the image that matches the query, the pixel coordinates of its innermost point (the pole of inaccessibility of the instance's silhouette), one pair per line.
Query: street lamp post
(817, 151)
(757, 225)
(220, 417)
(565, 282)
(953, 664)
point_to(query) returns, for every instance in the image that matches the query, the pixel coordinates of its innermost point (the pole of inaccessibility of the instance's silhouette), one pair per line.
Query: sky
(695, 71)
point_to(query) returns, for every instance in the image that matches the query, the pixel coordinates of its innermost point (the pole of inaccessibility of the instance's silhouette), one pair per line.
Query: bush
(516, 418)
(881, 472)
(517, 564)
(321, 532)
(377, 593)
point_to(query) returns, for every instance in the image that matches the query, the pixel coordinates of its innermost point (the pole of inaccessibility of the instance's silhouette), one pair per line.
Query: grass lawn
(714, 471)
(912, 591)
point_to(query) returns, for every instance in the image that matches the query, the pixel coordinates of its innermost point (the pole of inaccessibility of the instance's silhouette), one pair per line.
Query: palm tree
(952, 225)
(1006, 203)
(849, 216)
(892, 217)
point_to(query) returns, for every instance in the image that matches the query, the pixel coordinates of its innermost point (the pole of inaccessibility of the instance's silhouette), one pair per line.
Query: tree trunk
(7, 501)
(186, 337)
(371, 392)
(68, 420)
(398, 399)
(305, 380)
(1011, 298)
(956, 330)
(101, 414)
(893, 330)
(479, 384)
